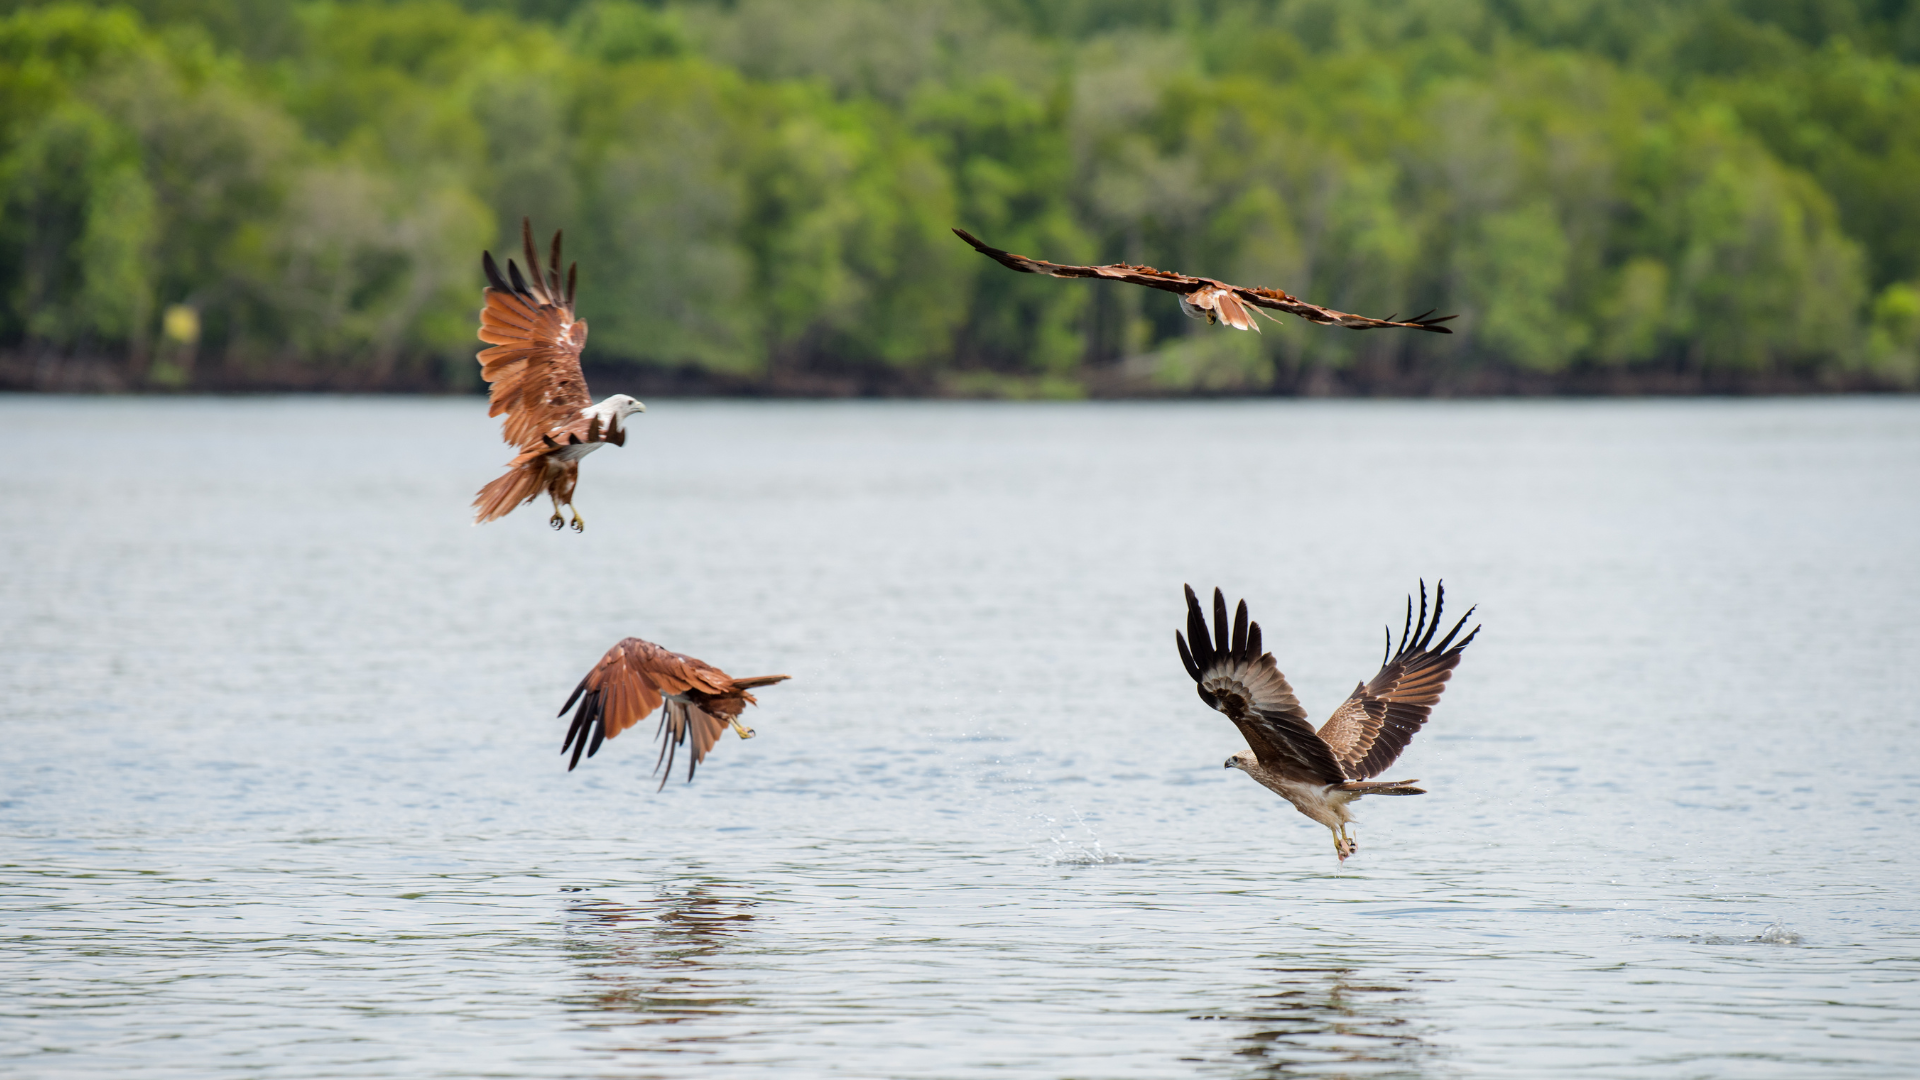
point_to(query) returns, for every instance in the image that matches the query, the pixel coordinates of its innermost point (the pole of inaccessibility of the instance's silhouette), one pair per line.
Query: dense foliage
(254, 192)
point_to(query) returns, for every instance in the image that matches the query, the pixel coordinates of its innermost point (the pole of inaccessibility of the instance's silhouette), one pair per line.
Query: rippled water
(283, 794)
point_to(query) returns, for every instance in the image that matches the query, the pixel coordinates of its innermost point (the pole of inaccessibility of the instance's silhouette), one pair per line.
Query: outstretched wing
(1224, 301)
(631, 681)
(1139, 275)
(1370, 729)
(1314, 313)
(534, 364)
(1235, 677)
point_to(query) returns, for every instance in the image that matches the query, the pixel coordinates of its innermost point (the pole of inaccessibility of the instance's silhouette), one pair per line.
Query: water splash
(1070, 850)
(1776, 933)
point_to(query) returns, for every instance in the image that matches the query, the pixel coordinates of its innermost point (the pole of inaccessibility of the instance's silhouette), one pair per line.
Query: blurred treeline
(1613, 194)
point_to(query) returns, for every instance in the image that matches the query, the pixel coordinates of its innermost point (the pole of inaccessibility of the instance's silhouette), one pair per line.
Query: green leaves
(762, 190)
(78, 231)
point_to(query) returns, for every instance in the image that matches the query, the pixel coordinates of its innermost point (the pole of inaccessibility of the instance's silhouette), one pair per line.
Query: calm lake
(281, 792)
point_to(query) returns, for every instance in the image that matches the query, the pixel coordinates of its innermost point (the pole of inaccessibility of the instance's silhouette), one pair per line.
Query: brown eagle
(1320, 772)
(634, 678)
(1206, 298)
(534, 367)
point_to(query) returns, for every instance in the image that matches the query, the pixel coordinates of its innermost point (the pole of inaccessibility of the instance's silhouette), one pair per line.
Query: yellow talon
(1343, 845)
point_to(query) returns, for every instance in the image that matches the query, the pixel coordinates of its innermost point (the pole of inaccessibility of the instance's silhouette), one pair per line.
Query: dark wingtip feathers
(1202, 645)
(585, 720)
(1417, 636)
(1006, 259)
(1426, 322)
(492, 270)
(1186, 656)
(667, 748)
(1446, 643)
(1197, 632)
(1406, 628)
(1439, 598)
(1221, 645)
(526, 246)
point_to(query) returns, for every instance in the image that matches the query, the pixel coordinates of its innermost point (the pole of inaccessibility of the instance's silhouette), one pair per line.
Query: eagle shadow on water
(646, 964)
(1330, 1022)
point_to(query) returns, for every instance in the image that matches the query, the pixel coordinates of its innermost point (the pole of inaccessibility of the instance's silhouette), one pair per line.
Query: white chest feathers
(1318, 801)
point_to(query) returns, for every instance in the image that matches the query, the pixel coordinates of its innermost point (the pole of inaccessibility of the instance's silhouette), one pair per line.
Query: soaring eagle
(1206, 298)
(1320, 772)
(634, 678)
(534, 367)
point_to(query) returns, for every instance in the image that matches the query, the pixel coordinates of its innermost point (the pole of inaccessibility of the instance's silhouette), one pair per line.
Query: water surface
(283, 794)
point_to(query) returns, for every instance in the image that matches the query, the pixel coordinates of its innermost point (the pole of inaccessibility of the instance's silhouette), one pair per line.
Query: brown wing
(631, 681)
(1138, 275)
(1370, 729)
(1207, 294)
(681, 721)
(1235, 677)
(534, 364)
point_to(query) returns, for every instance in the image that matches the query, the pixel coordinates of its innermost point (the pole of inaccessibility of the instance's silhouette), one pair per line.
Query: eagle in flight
(534, 366)
(1206, 298)
(1320, 772)
(635, 678)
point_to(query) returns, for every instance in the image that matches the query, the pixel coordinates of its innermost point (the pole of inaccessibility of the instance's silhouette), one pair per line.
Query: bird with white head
(534, 366)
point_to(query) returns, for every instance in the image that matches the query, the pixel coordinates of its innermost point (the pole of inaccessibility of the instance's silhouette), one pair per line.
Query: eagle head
(614, 411)
(1240, 760)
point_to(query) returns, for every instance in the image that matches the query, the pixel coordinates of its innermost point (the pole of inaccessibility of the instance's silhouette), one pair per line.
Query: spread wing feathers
(633, 679)
(534, 364)
(1211, 299)
(677, 723)
(1370, 729)
(1236, 678)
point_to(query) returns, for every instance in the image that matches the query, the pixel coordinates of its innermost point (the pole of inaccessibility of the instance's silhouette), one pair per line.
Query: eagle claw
(556, 521)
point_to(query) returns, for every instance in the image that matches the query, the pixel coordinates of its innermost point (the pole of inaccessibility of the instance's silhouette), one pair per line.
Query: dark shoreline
(82, 374)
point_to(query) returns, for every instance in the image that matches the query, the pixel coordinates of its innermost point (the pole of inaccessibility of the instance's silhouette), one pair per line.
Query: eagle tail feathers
(759, 680)
(515, 487)
(1358, 788)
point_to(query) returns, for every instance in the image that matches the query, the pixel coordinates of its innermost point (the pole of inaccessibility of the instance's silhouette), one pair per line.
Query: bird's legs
(556, 521)
(738, 729)
(1343, 844)
(579, 523)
